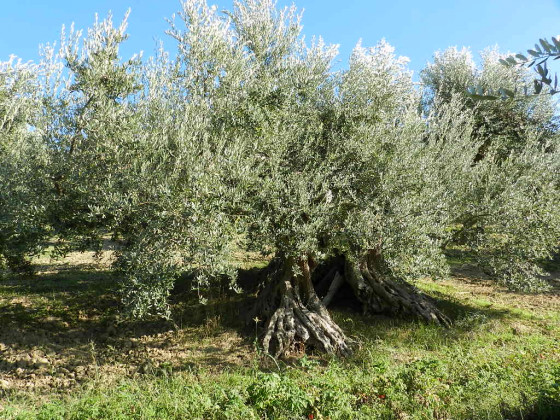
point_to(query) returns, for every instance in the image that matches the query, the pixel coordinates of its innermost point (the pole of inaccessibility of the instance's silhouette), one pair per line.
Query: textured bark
(294, 315)
(335, 286)
(380, 293)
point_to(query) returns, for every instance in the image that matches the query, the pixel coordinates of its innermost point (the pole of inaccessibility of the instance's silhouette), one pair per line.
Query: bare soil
(62, 327)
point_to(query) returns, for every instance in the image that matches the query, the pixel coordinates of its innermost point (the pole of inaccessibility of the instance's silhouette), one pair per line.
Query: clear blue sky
(416, 28)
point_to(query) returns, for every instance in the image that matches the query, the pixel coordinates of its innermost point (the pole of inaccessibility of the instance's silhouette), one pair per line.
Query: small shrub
(274, 395)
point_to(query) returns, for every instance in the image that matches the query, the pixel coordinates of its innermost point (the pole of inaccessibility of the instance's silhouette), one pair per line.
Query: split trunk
(295, 316)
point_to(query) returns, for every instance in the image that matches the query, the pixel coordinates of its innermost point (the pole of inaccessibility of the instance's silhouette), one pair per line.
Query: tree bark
(294, 315)
(380, 293)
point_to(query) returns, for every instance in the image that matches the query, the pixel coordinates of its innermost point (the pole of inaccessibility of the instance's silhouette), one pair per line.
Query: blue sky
(416, 28)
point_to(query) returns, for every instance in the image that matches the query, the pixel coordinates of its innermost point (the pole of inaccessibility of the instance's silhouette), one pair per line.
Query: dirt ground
(63, 326)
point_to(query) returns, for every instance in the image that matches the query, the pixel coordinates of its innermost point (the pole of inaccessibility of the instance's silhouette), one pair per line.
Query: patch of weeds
(549, 396)
(307, 363)
(274, 395)
(471, 320)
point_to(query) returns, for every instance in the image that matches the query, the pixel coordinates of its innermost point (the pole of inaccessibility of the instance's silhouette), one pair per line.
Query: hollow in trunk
(377, 290)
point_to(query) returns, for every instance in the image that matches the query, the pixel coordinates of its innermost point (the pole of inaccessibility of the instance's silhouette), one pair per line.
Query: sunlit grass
(499, 360)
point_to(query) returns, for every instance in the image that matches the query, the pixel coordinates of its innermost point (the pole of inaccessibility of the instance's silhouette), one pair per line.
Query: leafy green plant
(538, 58)
(274, 395)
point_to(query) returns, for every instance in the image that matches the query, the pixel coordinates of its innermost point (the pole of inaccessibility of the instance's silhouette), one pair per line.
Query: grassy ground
(66, 353)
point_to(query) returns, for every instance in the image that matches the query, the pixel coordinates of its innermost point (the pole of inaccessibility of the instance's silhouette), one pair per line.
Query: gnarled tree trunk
(294, 314)
(378, 291)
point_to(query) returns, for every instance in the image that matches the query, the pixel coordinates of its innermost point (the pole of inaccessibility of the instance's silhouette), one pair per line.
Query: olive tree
(248, 139)
(22, 163)
(516, 165)
(92, 131)
(326, 164)
(125, 161)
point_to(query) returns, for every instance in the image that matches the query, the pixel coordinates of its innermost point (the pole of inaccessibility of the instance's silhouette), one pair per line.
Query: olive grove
(247, 139)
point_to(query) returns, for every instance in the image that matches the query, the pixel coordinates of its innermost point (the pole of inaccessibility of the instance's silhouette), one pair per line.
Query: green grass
(500, 360)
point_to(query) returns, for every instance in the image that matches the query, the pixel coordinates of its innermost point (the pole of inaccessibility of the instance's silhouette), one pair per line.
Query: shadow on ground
(64, 325)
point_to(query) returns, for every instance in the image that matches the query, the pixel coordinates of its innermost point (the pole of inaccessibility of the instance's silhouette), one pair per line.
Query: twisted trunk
(380, 293)
(294, 314)
(295, 317)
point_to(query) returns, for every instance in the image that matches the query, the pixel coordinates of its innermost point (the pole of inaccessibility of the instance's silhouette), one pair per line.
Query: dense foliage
(23, 164)
(537, 58)
(517, 141)
(249, 140)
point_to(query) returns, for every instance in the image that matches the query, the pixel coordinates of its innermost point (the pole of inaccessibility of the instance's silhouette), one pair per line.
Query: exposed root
(380, 293)
(377, 291)
(335, 286)
(295, 315)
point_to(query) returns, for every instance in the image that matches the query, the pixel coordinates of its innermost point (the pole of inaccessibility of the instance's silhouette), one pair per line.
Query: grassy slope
(66, 353)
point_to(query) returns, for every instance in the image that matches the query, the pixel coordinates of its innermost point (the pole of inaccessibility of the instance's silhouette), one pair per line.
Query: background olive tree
(507, 216)
(23, 163)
